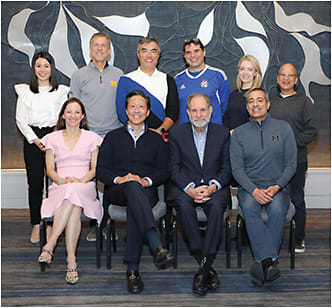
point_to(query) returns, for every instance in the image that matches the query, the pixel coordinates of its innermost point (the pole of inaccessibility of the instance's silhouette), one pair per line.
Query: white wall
(317, 190)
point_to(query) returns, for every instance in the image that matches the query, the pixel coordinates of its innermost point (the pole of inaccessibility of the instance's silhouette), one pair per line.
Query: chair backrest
(118, 212)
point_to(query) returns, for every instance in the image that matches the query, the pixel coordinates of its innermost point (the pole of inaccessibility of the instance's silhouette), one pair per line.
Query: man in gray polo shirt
(95, 85)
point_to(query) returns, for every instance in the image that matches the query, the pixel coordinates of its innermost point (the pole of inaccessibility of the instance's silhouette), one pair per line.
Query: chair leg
(108, 246)
(163, 230)
(42, 242)
(292, 243)
(175, 243)
(239, 226)
(228, 242)
(113, 234)
(98, 245)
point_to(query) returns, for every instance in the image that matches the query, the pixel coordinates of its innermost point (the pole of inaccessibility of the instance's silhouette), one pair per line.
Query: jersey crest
(204, 84)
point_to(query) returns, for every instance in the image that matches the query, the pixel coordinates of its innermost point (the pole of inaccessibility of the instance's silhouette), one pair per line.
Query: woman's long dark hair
(61, 124)
(33, 78)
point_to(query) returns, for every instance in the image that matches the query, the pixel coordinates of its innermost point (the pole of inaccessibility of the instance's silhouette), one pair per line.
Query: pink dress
(75, 162)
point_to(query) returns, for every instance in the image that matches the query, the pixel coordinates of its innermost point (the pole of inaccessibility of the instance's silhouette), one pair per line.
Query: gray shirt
(97, 91)
(298, 111)
(263, 154)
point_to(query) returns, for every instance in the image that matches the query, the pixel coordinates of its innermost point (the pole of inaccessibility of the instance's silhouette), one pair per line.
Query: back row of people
(99, 85)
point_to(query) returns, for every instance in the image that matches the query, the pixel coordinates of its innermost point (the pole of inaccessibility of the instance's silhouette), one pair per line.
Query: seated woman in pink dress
(71, 156)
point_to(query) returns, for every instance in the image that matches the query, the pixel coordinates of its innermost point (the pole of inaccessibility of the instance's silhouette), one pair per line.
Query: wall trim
(14, 189)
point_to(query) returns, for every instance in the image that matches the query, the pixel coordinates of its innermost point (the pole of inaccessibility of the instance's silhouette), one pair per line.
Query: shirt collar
(155, 72)
(202, 134)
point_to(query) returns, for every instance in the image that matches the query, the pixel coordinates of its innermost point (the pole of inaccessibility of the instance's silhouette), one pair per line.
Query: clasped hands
(132, 177)
(71, 179)
(264, 196)
(201, 194)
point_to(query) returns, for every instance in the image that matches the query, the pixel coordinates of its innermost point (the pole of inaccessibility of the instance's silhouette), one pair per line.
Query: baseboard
(317, 190)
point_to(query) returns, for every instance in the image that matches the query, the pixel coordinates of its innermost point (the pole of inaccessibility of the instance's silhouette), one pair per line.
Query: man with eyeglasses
(263, 160)
(298, 110)
(202, 78)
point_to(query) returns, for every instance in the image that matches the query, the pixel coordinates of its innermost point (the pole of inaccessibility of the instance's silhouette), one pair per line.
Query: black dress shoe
(271, 270)
(134, 282)
(213, 282)
(162, 258)
(257, 273)
(200, 284)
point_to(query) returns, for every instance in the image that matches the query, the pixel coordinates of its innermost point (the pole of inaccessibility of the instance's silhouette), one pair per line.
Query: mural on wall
(274, 32)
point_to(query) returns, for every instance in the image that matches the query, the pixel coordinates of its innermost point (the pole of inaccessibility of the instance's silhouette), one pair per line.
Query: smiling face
(257, 105)
(199, 112)
(73, 115)
(148, 56)
(247, 74)
(287, 79)
(99, 49)
(43, 71)
(194, 57)
(137, 111)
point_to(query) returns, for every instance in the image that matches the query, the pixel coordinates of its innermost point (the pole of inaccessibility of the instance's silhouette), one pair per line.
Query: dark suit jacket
(184, 164)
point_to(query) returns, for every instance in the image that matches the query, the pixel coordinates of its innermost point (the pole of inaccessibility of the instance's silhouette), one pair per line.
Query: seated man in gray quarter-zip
(263, 158)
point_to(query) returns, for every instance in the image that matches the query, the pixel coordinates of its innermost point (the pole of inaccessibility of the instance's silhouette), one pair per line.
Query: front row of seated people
(134, 160)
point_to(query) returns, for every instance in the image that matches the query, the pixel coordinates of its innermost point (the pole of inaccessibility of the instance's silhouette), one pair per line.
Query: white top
(38, 109)
(156, 84)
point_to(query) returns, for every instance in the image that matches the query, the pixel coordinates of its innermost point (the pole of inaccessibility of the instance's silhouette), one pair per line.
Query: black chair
(119, 213)
(201, 217)
(240, 231)
(45, 221)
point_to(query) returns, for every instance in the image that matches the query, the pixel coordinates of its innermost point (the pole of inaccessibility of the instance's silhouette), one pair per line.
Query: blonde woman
(249, 77)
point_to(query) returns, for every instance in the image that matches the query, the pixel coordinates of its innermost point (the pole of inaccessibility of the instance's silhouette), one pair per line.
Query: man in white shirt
(160, 88)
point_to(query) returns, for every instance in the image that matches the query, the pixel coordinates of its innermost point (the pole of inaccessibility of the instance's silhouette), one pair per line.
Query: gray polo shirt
(97, 91)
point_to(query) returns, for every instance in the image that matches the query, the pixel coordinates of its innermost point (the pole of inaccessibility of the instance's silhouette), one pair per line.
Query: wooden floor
(22, 283)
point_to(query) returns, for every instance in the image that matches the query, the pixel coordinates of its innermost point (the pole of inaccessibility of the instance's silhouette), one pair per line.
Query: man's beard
(204, 121)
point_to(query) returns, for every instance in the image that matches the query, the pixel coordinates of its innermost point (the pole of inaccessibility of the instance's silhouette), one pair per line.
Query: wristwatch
(162, 130)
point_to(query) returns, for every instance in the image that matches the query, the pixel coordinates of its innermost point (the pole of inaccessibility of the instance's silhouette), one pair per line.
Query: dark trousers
(34, 160)
(214, 210)
(297, 198)
(139, 202)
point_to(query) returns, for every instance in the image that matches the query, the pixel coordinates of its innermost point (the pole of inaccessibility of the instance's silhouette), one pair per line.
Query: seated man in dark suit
(200, 174)
(132, 163)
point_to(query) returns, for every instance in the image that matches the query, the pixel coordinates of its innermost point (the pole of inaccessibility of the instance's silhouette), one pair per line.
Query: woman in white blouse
(37, 110)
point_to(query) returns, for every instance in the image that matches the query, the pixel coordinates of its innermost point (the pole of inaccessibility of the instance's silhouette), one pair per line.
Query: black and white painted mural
(274, 32)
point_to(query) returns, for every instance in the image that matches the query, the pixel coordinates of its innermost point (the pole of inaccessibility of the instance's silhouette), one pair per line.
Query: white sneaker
(300, 246)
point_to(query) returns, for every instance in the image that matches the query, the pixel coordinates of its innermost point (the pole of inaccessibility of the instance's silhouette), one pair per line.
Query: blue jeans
(265, 239)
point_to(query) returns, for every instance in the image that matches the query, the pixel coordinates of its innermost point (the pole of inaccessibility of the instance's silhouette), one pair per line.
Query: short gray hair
(266, 96)
(147, 40)
(193, 95)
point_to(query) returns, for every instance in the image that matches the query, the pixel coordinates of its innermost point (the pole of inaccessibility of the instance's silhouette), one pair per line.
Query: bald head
(287, 79)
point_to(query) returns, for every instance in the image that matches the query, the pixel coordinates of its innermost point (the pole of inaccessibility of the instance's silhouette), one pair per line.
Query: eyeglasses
(287, 75)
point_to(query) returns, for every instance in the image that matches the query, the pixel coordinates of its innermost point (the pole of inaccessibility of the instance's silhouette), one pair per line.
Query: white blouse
(38, 109)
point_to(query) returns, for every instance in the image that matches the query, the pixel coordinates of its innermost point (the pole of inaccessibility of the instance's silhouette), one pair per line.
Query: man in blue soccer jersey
(160, 88)
(202, 78)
